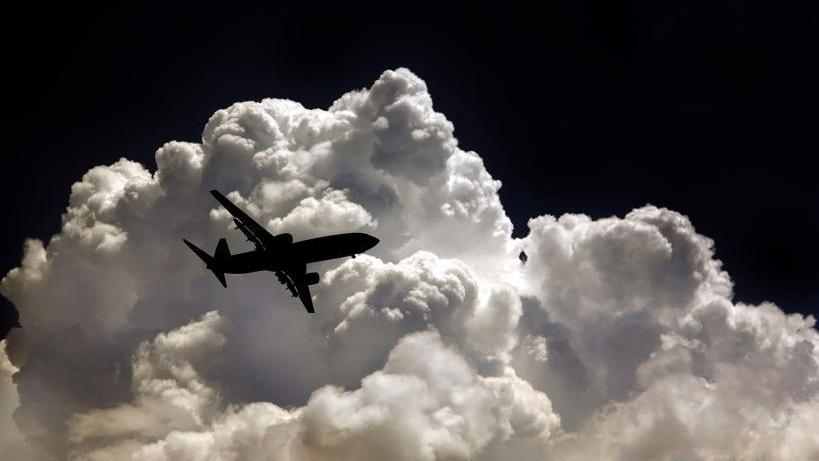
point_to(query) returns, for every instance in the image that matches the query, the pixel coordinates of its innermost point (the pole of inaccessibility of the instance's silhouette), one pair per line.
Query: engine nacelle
(311, 278)
(283, 239)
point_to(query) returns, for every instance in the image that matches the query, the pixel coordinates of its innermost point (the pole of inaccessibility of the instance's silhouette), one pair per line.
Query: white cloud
(426, 403)
(618, 339)
(11, 440)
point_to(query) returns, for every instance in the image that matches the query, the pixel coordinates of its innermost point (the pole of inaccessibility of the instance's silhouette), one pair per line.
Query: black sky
(706, 107)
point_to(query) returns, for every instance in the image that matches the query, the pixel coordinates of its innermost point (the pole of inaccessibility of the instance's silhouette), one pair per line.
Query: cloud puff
(11, 440)
(618, 339)
(426, 403)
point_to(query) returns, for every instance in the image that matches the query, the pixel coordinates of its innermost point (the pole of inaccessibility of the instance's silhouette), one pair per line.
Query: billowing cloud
(426, 403)
(11, 439)
(619, 339)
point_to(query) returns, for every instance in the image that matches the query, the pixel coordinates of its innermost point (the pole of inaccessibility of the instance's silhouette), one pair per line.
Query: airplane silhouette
(279, 254)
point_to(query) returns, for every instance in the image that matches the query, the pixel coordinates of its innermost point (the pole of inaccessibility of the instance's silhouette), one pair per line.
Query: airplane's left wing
(296, 282)
(304, 295)
(251, 228)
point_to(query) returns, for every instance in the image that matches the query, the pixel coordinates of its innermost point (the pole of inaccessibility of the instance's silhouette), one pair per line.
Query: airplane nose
(372, 241)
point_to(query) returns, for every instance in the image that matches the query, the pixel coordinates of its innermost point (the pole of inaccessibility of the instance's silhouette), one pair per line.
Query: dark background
(705, 107)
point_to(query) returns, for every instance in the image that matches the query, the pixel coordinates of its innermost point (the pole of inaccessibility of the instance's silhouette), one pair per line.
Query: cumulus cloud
(11, 439)
(426, 403)
(619, 339)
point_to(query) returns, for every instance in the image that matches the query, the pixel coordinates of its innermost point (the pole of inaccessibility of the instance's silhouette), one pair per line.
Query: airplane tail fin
(222, 251)
(212, 261)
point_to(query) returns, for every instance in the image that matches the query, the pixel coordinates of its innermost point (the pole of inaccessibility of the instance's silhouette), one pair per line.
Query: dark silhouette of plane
(279, 254)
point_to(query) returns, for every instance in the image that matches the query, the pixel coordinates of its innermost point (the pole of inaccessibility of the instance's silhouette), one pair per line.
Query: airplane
(279, 253)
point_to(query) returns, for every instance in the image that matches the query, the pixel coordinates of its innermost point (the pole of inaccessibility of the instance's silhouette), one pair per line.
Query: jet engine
(283, 239)
(311, 278)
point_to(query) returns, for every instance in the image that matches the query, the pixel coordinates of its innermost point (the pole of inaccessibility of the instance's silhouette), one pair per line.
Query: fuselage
(294, 256)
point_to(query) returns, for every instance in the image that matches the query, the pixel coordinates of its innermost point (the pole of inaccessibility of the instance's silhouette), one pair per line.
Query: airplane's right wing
(249, 227)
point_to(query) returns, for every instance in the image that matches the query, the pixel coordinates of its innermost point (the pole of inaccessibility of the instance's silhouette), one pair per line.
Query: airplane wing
(304, 295)
(284, 279)
(252, 230)
(297, 284)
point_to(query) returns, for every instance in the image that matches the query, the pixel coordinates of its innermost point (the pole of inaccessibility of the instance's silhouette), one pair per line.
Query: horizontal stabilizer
(209, 260)
(221, 276)
(199, 252)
